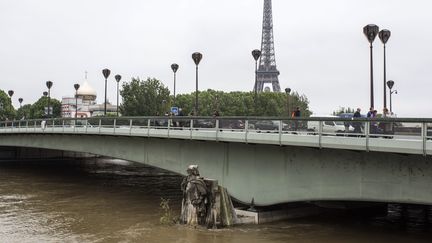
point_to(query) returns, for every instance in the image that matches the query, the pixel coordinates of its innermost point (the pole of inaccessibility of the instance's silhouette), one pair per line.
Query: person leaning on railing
(357, 125)
(296, 114)
(387, 126)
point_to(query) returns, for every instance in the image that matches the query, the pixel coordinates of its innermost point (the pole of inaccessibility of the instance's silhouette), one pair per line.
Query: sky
(321, 50)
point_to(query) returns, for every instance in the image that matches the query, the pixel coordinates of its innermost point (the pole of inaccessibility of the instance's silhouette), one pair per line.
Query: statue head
(192, 170)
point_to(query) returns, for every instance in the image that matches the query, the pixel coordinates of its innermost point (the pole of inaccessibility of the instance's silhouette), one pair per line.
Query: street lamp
(20, 100)
(106, 72)
(76, 86)
(288, 91)
(118, 78)
(371, 32)
(197, 59)
(390, 85)
(10, 92)
(45, 94)
(174, 68)
(49, 84)
(163, 107)
(256, 55)
(384, 36)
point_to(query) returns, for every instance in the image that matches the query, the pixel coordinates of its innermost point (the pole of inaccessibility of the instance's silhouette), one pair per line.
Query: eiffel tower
(267, 71)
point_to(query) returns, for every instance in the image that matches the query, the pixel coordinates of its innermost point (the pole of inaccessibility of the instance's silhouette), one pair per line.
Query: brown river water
(116, 201)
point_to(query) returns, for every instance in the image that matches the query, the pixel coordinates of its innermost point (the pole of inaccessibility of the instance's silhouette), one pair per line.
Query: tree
(38, 111)
(24, 111)
(151, 97)
(144, 98)
(5, 107)
(243, 104)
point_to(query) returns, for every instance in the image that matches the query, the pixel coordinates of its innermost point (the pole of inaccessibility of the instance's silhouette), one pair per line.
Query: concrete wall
(269, 174)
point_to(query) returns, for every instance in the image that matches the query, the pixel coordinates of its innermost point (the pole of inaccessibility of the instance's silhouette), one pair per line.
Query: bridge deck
(363, 142)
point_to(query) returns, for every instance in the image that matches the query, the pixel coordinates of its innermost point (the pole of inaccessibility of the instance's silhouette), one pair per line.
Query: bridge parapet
(395, 135)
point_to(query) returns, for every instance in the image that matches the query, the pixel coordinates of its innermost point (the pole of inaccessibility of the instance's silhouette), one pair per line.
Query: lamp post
(76, 87)
(288, 91)
(163, 107)
(174, 68)
(20, 100)
(197, 59)
(10, 93)
(49, 84)
(384, 36)
(45, 94)
(106, 72)
(118, 78)
(390, 85)
(371, 32)
(256, 55)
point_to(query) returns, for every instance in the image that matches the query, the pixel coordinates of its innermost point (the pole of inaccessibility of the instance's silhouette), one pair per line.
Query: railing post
(280, 133)
(86, 124)
(130, 127)
(53, 125)
(100, 125)
(424, 137)
(148, 127)
(34, 126)
(114, 125)
(74, 127)
(320, 131)
(191, 128)
(217, 129)
(168, 126)
(27, 123)
(246, 130)
(367, 134)
(63, 125)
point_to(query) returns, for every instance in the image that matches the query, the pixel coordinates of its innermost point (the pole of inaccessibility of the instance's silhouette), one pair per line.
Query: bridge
(272, 160)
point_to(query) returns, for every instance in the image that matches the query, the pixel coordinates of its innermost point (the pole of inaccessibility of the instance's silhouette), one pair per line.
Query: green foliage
(151, 97)
(6, 110)
(341, 110)
(37, 110)
(144, 97)
(242, 103)
(24, 112)
(167, 217)
(28, 111)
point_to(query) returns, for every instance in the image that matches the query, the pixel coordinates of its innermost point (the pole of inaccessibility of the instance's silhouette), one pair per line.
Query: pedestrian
(215, 116)
(374, 125)
(180, 113)
(357, 125)
(370, 113)
(387, 126)
(296, 114)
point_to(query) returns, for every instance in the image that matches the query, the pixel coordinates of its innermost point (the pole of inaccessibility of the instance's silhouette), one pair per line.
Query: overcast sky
(320, 47)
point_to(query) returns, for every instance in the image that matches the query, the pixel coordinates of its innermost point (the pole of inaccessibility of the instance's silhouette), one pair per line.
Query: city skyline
(321, 50)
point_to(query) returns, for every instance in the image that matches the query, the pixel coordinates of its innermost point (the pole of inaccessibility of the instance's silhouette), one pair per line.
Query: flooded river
(117, 201)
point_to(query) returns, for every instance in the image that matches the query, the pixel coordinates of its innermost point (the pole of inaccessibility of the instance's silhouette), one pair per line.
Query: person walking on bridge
(296, 114)
(357, 125)
(370, 113)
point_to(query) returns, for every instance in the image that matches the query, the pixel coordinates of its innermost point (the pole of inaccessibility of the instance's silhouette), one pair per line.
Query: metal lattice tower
(267, 71)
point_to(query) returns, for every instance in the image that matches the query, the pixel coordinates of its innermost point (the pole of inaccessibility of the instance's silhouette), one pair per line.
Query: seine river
(116, 201)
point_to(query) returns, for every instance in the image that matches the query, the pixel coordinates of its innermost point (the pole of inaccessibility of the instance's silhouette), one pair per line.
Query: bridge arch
(270, 174)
